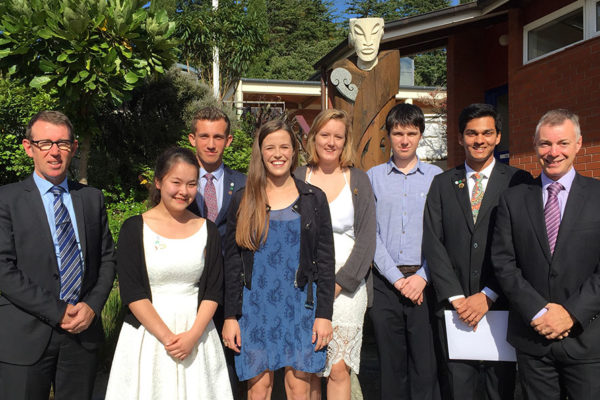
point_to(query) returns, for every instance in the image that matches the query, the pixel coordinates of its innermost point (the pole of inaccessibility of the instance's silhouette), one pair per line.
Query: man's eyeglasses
(46, 144)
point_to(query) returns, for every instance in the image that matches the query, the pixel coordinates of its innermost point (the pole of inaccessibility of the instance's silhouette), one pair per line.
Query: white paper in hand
(487, 343)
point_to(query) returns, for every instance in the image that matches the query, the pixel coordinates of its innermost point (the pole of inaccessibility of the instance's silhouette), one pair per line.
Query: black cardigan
(317, 259)
(133, 276)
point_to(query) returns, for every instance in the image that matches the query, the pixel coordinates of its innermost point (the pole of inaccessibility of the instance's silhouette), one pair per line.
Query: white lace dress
(142, 369)
(348, 308)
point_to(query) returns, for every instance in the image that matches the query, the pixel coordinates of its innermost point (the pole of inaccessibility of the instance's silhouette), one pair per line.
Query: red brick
(592, 165)
(592, 149)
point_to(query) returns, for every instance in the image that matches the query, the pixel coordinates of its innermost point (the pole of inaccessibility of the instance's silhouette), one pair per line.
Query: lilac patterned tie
(211, 207)
(552, 214)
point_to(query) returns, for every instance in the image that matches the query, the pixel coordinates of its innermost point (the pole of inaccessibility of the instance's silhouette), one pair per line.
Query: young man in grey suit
(216, 184)
(56, 271)
(458, 222)
(546, 256)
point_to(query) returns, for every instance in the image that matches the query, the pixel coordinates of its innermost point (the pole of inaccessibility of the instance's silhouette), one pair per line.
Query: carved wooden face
(365, 35)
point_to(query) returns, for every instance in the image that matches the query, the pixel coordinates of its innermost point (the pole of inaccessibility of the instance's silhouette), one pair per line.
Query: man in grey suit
(546, 257)
(56, 271)
(459, 219)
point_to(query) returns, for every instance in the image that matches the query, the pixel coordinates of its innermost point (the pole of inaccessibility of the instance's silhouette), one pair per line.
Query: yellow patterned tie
(477, 195)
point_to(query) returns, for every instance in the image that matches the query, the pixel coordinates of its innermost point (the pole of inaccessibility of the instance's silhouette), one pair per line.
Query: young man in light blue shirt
(400, 311)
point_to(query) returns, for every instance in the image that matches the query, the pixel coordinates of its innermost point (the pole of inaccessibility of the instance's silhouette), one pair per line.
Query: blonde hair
(252, 215)
(347, 155)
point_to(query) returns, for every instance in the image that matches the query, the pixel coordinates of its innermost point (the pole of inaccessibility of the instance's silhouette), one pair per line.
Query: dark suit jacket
(233, 181)
(458, 251)
(29, 304)
(531, 277)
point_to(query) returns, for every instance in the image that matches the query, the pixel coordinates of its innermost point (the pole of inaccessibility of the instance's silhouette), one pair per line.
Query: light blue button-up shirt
(400, 201)
(217, 181)
(44, 187)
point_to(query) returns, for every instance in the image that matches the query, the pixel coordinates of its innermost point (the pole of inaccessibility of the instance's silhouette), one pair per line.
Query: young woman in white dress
(171, 278)
(330, 157)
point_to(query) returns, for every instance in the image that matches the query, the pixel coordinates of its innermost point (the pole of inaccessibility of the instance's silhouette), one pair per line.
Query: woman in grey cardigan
(352, 206)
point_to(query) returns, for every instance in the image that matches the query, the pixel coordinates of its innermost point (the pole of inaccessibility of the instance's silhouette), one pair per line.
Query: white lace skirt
(348, 316)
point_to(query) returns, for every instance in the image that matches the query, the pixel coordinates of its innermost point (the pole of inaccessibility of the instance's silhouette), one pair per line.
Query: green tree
(18, 103)
(88, 52)
(300, 33)
(236, 28)
(393, 9)
(156, 116)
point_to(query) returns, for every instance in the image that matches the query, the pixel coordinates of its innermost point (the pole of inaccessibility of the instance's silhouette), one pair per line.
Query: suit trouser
(556, 375)
(460, 378)
(405, 344)
(65, 364)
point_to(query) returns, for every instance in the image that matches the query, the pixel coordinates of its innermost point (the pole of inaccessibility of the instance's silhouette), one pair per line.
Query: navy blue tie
(70, 267)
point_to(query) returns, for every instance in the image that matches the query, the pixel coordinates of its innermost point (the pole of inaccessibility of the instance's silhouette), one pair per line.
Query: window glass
(557, 33)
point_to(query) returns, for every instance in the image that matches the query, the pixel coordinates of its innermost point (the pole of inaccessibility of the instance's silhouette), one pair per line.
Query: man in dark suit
(217, 183)
(458, 221)
(56, 271)
(546, 257)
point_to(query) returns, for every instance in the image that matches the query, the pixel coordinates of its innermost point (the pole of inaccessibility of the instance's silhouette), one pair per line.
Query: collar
(218, 173)
(44, 186)
(390, 167)
(566, 180)
(486, 172)
(303, 187)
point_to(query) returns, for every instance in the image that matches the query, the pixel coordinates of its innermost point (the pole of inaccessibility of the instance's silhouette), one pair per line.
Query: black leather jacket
(317, 260)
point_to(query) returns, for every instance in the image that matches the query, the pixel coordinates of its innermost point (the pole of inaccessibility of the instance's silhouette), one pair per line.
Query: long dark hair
(165, 162)
(253, 219)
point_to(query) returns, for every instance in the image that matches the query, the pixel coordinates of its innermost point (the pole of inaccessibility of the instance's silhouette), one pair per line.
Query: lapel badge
(460, 183)
(356, 191)
(231, 184)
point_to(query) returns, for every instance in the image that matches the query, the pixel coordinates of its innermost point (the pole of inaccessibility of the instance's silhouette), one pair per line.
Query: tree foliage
(18, 103)
(393, 9)
(87, 51)
(300, 33)
(157, 116)
(430, 68)
(236, 28)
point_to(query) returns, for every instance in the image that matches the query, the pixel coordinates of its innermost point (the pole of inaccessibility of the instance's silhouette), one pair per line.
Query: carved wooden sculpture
(366, 87)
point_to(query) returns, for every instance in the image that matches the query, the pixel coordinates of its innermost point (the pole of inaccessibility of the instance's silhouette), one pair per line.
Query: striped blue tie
(70, 257)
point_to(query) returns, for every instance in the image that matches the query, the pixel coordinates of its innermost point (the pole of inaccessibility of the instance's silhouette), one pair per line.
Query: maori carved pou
(365, 86)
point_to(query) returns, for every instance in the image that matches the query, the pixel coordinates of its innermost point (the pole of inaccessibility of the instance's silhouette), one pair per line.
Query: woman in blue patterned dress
(279, 271)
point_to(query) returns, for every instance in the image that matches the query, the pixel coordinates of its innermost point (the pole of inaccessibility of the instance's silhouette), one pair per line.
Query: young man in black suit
(459, 218)
(56, 271)
(547, 260)
(217, 183)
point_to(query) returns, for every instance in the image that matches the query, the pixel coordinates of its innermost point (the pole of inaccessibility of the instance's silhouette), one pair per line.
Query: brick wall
(476, 63)
(568, 79)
